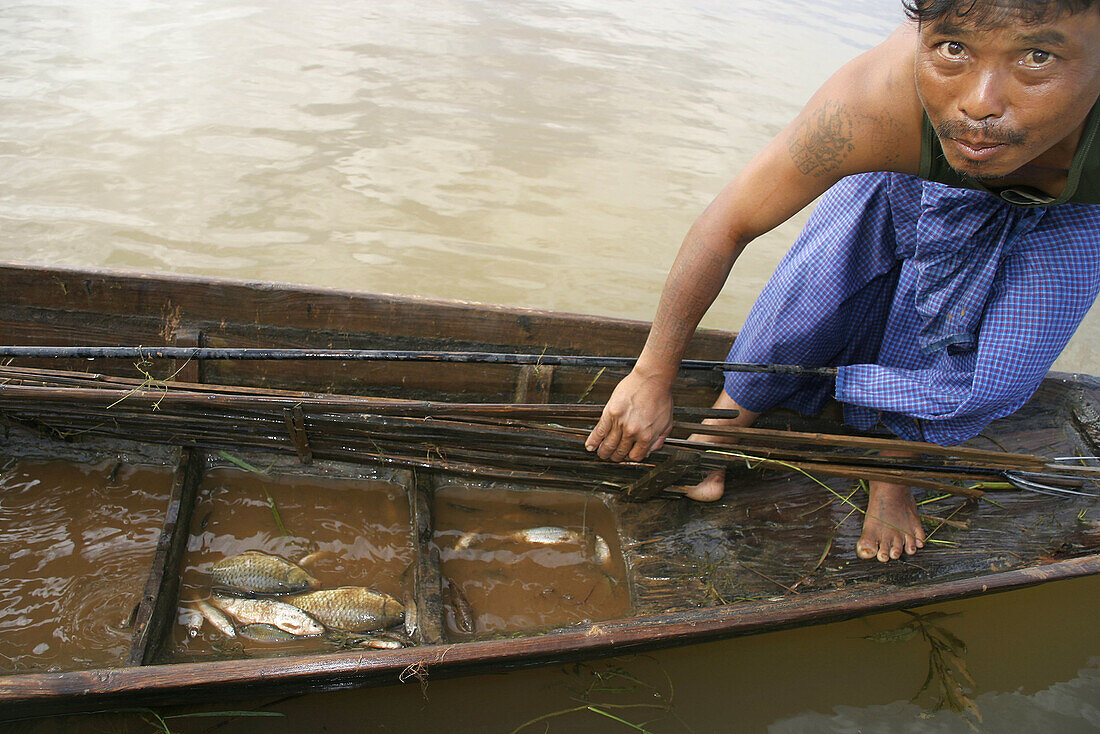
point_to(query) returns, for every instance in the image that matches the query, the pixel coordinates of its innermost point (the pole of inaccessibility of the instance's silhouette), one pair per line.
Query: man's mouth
(977, 149)
(978, 143)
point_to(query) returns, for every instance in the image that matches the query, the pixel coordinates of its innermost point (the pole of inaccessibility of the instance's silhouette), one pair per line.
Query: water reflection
(1065, 707)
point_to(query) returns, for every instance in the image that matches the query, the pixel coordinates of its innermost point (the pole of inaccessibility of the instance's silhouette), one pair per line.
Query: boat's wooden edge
(164, 684)
(260, 291)
(58, 306)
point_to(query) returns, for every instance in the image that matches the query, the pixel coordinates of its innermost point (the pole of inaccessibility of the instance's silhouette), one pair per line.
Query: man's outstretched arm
(865, 118)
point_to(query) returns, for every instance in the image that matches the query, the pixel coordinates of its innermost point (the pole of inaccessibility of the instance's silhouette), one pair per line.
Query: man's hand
(636, 420)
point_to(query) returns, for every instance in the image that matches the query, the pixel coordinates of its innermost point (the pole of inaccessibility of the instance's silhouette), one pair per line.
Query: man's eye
(1037, 58)
(952, 50)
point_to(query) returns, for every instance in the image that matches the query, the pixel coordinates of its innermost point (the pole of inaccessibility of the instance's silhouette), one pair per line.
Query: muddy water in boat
(527, 560)
(350, 533)
(514, 561)
(530, 153)
(76, 544)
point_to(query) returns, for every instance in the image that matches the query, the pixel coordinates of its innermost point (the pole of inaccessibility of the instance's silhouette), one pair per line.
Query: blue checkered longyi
(943, 307)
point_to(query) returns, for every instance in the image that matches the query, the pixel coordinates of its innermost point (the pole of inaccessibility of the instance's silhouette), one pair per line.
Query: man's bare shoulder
(866, 117)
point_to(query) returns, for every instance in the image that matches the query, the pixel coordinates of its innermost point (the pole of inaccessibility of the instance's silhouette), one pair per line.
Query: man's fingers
(595, 438)
(626, 445)
(643, 449)
(610, 442)
(614, 442)
(626, 432)
(640, 451)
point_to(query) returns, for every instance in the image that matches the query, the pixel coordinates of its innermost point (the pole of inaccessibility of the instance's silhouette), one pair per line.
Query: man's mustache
(993, 133)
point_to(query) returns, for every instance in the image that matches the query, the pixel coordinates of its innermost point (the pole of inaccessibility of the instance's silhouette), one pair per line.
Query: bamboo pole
(518, 442)
(384, 355)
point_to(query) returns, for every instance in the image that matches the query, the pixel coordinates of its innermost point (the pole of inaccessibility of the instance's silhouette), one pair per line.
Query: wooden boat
(773, 554)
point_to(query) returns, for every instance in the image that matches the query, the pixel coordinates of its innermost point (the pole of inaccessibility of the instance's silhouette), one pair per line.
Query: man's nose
(983, 97)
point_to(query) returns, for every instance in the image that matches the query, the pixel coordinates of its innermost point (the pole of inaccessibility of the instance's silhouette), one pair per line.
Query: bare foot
(714, 484)
(892, 524)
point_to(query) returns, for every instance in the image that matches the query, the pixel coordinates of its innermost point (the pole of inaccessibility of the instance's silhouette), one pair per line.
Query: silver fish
(548, 535)
(383, 641)
(254, 572)
(466, 540)
(464, 615)
(380, 644)
(314, 557)
(262, 632)
(594, 545)
(216, 617)
(351, 608)
(191, 619)
(410, 616)
(602, 551)
(269, 611)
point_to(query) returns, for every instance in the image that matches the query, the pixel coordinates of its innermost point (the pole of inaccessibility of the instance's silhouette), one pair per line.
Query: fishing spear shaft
(385, 355)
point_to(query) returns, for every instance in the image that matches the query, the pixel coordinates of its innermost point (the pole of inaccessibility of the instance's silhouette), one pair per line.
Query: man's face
(1001, 96)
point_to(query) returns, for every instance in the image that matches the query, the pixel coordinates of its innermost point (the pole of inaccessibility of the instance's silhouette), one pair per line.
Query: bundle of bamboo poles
(542, 444)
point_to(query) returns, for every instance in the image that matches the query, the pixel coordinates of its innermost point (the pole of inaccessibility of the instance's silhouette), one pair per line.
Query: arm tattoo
(821, 143)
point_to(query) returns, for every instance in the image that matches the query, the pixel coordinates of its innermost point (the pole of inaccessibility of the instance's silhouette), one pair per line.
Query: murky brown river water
(544, 154)
(77, 543)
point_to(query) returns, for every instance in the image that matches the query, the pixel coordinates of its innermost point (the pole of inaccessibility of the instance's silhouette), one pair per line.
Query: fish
(263, 632)
(351, 608)
(602, 551)
(191, 619)
(464, 616)
(466, 539)
(285, 616)
(594, 545)
(216, 617)
(410, 616)
(380, 644)
(383, 641)
(253, 572)
(547, 535)
(312, 558)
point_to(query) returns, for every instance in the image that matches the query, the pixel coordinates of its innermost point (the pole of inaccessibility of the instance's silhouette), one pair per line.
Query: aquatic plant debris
(270, 500)
(948, 679)
(160, 721)
(612, 678)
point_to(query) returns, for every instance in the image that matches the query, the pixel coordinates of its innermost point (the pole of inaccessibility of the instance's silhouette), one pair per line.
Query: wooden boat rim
(273, 285)
(178, 308)
(319, 671)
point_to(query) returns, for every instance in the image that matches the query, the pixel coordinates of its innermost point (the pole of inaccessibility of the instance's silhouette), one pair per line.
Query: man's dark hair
(986, 13)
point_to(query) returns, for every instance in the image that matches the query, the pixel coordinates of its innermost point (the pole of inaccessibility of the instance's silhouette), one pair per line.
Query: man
(956, 251)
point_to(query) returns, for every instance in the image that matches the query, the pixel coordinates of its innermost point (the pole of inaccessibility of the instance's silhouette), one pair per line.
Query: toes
(912, 543)
(866, 549)
(710, 489)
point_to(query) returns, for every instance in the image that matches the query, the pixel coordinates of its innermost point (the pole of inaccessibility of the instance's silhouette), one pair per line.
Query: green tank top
(1082, 184)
